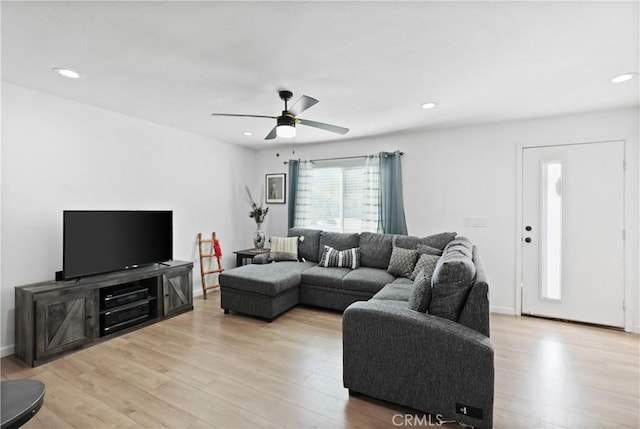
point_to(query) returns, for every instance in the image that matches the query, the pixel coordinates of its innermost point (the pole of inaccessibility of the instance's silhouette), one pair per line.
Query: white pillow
(284, 249)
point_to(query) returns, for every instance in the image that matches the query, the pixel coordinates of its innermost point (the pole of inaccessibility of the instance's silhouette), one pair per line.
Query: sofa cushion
(427, 263)
(349, 258)
(284, 249)
(423, 249)
(402, 262)
(451, 282)
(326, 277)
(395, 292)
(462, 245)
(439, 241)
(460, 240)
(366, 279)
(266, 279)
(462, 250)
(309, 247)
(420, 295)
(339, 240)
(402, 281)
(390, 302)
(405, 241)
(375, 249)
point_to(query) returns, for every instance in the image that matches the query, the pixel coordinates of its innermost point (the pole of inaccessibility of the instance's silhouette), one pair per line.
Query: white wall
(61, 155)
(452, 174)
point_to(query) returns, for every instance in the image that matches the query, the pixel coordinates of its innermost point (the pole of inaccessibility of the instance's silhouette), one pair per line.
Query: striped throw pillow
(349, 258)
(284, 249)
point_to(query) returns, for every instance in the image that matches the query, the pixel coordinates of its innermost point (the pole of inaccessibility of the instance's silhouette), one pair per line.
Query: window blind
(339, 196)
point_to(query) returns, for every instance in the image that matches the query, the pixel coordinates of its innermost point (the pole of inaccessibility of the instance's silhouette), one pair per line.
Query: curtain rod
(342, 157)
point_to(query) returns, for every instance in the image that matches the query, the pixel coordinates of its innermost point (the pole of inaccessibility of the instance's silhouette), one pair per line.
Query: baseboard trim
(503, 310)
(635, 329)
(7, 350)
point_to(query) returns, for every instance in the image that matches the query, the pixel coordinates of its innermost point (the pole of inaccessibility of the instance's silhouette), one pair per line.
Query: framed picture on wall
(275, 188)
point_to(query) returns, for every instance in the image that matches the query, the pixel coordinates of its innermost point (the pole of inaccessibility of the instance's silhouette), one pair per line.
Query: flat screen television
(96, 242)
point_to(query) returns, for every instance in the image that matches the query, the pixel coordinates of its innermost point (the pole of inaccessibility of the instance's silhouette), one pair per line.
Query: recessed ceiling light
(622, 78)
(429, 105)
(247, 133)
(67, 73)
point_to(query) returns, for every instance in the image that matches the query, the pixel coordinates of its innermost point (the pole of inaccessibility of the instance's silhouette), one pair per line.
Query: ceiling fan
(286, 122)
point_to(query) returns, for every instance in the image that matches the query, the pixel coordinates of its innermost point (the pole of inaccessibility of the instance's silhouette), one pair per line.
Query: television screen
(97, 242)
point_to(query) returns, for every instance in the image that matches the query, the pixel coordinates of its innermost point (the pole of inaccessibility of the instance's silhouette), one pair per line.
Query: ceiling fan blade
(302, 104)
(328, 127)
(244, 116)
(272, 134)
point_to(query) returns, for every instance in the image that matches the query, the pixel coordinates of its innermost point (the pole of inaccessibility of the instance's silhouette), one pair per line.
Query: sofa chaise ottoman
(261, 292)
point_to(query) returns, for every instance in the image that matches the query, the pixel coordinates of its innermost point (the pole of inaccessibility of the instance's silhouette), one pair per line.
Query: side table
(21, 400)
(247, 254)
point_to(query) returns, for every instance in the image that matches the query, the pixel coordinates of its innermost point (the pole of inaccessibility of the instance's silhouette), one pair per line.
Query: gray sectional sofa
(438, 360)
(267, 290)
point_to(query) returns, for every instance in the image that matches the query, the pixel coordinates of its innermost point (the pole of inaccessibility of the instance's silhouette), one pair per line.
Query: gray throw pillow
(402, 262)
(421, 293)
(439, 241)
(425, 263)
(451, 282)
(422, 249)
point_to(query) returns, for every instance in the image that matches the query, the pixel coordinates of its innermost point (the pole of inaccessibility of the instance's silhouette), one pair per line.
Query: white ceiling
(371, 64)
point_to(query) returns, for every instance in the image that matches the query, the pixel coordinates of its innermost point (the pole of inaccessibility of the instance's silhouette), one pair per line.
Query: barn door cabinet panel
(57, 317)
(64, 323)
(177, 291)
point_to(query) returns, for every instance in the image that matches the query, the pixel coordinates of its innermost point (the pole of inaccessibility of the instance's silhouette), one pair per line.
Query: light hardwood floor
(205, 369)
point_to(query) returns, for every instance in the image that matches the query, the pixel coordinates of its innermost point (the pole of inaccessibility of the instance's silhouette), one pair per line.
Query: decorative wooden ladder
(213, 251)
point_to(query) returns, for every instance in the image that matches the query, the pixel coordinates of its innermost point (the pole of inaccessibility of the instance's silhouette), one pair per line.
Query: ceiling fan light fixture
(286, 127)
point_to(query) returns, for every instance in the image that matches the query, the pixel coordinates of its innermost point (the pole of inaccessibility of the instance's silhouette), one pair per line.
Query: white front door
(572, 238)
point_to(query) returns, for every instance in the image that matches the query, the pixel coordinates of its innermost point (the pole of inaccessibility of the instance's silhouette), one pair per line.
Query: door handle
(528, 228)
(527, 239)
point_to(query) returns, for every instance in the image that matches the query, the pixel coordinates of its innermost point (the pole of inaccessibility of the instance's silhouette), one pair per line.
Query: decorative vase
(258, 236)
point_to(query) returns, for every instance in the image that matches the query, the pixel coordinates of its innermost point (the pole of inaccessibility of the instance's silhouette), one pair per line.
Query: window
(551, 266)
(339, 195)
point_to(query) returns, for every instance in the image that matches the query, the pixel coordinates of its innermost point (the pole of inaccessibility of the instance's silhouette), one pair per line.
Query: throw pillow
(284, 249)
(424, 249)
(402, 262)
(349, 258)
(421, 293)
(439, 241)
(451, 282)
(425, 263)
